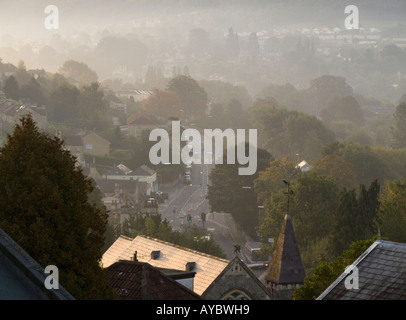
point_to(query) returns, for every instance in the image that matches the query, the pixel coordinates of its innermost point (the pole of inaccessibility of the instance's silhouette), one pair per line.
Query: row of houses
(145, 268)
(11, 110)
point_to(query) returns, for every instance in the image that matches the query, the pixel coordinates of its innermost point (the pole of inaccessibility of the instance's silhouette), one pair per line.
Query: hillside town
(96, 204)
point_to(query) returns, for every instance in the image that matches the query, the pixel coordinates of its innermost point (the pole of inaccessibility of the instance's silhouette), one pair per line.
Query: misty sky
(25, 18)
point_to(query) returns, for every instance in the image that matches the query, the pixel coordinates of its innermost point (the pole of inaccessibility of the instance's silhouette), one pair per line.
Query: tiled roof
(207, 267)
(381, 275)
(286, 265)
(96, 137)
(142, 119)
(140, 281)
(119, 170)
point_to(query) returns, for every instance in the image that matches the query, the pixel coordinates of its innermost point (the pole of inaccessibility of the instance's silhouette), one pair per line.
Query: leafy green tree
(12, 88)
(232, 193)
(327, 87)
(392, 212)
(193, 98)
(78, 71)
(271, 179)
(63, 104)
(334, 166)
(45, 207)
(223, 92)
(21, 74)
(268, 117)
(235, 114)
(162, 104)
(288, 132)
(288, 96)
(93, 107)
(368, 165)
(327, 272)
(355, 218)
(343, 108)
(399, 128)
(305, 134)
(154, 226)
(312, 206)
(33, 92)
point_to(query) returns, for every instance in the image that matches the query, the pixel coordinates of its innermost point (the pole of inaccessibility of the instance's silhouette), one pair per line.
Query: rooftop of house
(141, 119)
(237, 268)
(12, 107)
(143, 171)
(381, 275)
(92, 135)
(21, 277)
(163, 254)
(133, 280)
(122, 170)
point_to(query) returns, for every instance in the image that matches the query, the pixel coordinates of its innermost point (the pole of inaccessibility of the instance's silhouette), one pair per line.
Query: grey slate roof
(286, 265)
(21, 277)
(381, 275)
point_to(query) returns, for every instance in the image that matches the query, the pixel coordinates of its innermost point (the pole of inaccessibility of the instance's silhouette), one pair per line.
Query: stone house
(236, 282)
(95, 145)
(137, 123)
(74, 144)
(11, 111)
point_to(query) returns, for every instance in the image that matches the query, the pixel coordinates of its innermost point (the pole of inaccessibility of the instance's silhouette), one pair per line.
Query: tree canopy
(327, 272)
(193, 98)
(232, 193)
(45, 208)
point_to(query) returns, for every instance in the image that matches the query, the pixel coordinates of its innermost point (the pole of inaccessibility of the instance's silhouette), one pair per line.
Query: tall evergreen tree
(11, 88)
(45, 207)
(399, 129)
(355, 217)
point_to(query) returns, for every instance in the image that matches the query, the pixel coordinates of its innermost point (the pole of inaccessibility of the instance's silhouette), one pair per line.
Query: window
(236, 295)
(89, 146)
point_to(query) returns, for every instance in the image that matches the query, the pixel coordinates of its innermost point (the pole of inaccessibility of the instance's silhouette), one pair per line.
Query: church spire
(286, 272)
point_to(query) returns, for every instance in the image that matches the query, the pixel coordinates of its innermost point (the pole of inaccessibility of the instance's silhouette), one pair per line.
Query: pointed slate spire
(286, 267)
